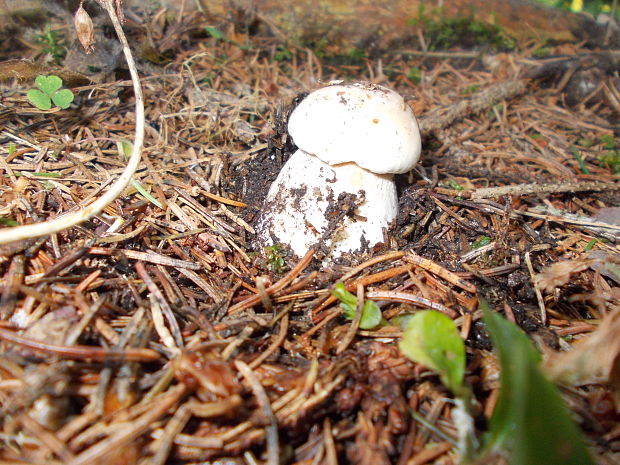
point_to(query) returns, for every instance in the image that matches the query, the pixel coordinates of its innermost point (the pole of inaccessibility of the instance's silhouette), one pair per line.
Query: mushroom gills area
(302, 208)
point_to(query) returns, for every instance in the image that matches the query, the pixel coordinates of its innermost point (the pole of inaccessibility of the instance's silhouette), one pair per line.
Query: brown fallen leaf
(594, 360)
(560, 273)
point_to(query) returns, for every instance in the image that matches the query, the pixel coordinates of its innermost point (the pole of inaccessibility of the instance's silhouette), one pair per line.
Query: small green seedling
(481, 242)
(371, 313)
(52, 43)
(274, 258)
(282, 54)
(453, 185)
(611, 157)
(414, 74)
(48, 91)
(218, 34)
(8, 222)
(432, 339)
(582, 165)
(530, 423)
(470, 90)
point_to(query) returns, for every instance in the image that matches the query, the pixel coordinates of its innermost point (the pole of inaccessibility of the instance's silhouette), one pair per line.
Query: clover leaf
(39, 99)
(63, 98)
(49, 90)
(48, 84)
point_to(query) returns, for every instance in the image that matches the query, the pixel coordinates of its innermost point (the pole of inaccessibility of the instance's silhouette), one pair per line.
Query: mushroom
(337, 188)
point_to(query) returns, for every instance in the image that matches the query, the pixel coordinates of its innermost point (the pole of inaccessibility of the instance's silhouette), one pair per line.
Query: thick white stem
(302, 204)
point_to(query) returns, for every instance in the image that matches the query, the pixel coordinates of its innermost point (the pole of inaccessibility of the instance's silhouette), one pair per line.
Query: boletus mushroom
(337, 189)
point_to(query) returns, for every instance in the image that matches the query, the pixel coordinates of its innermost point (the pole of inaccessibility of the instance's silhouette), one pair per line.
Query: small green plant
(318, 46)
(481, 242)
(432, 339)
(586, 142)
(582, 165)
(354, 56)
(530, 420)
(612, 161)
(611, 158)
(591, 245)
(542, 52)
(414, 74)
(495, 110)
(443, 32)
(218, 34)
(530, 423)
(472, 89)
(608, 141)
(282, 54)
(8, 222)
(48, 91)
(274, 258)
(125, 148)
(371, 313)
(453, 184)
(53, 44)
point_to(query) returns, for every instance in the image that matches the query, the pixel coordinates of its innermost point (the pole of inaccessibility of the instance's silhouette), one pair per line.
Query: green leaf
(63, 98)
(215, 33)
(481, 242)
(371, 313)
(146, 194)
(47, 175)
(530, 419)
(414, 75)
(582, 166)
(402, 320)
(591, 245)
(39, 99)
(432, 339)
(125, 148)
(48, 84)
(348, 301)
(8, 222)
(608, 141)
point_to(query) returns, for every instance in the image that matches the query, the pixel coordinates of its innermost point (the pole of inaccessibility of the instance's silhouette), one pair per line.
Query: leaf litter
(155, 330)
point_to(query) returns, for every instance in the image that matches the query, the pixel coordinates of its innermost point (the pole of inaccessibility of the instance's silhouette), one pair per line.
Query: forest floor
(157, 333)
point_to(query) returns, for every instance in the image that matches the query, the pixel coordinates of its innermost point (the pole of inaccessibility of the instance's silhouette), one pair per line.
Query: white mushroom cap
(363, 123)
